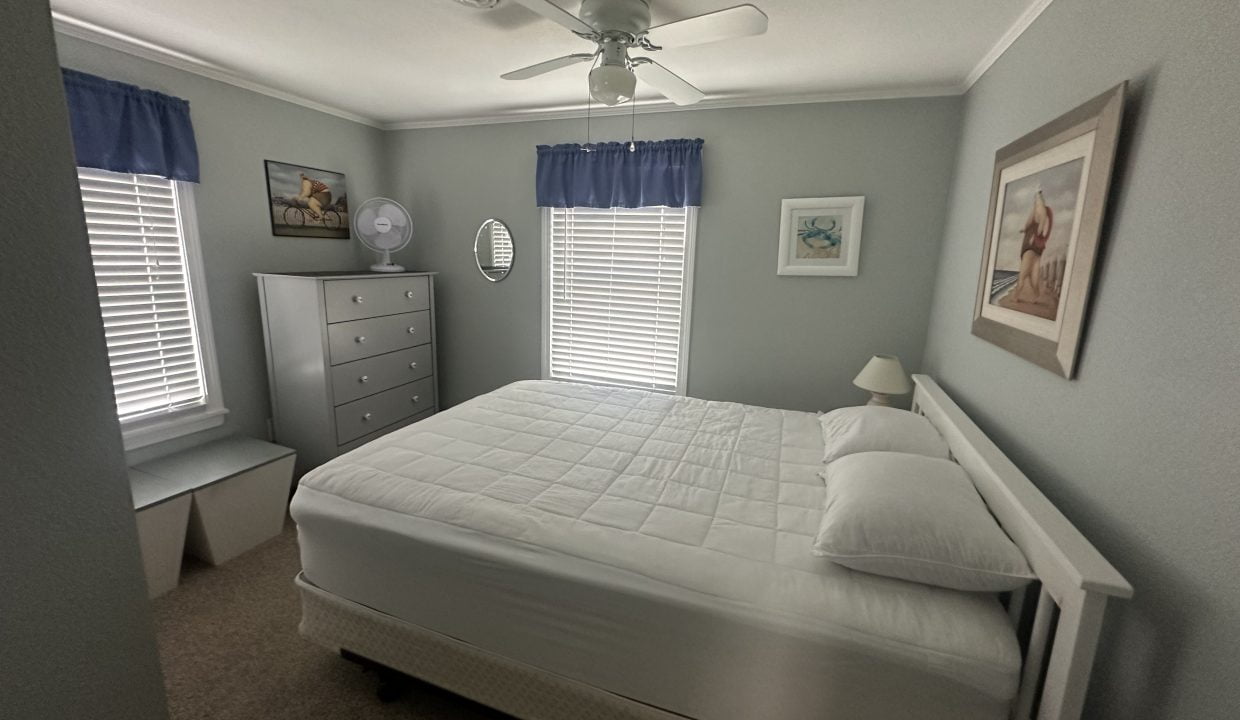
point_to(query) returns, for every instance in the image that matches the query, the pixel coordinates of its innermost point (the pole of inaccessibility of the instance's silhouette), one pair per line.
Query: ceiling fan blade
(547, 66)
(733, 22)
(557, 14)
(676, 88)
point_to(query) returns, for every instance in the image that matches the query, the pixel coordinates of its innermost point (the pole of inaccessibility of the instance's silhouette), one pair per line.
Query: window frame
(144, 431)
(686, 305)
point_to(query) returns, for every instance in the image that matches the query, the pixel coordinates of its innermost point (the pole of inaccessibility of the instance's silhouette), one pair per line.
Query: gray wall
(236, 130)
(76, 627)
(1142, 450)
(758, 338)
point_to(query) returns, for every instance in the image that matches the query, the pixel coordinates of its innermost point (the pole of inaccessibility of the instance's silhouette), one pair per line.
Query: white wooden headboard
(1075, 580)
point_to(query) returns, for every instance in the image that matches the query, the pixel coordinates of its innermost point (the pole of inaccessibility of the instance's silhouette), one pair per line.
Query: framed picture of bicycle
(820, 236)
(306, 201)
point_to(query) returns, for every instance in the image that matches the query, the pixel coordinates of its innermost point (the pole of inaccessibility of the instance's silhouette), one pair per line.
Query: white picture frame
(820, 236)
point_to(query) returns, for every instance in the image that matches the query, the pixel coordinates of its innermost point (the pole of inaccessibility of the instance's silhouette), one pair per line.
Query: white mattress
(654, 546)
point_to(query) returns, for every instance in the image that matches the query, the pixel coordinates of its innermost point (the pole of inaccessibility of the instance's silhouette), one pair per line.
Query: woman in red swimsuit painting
(1037, 231)
(316, 195)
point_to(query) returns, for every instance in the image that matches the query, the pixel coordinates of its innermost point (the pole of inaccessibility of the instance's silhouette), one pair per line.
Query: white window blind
(618, 287)
(138, 248)
(501, 246)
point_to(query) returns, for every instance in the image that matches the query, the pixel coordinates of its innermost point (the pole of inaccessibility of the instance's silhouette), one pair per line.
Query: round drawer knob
(415, 398)
(413, 366)
(366, 417)
(359, 299)
(360, 339)
(364, 378)
(409, 294)
(412, 330)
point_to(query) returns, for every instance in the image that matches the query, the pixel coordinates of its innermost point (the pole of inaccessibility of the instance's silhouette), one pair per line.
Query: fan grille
(383, 225)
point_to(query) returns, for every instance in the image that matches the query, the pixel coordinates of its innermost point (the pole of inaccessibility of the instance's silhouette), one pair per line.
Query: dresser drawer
(372, 297)
(357, 339)
(384, 431)
(369, 414)
(366, 377)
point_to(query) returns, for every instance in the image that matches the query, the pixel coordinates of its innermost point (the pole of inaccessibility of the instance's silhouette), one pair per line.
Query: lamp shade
(884, 374)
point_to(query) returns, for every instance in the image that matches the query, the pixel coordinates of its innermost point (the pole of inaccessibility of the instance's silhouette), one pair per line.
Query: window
(501, 246)
(148, 270)
(617, 290)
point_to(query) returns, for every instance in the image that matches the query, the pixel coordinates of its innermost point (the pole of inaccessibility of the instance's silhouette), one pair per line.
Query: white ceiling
(421, 62)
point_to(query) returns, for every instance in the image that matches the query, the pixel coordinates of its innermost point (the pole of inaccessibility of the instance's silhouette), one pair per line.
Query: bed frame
(1057, 618)
(1060, 633)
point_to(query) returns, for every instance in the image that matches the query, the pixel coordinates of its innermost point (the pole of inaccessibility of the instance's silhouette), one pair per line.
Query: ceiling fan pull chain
(633, 123)
(589, 147)
(589, 106)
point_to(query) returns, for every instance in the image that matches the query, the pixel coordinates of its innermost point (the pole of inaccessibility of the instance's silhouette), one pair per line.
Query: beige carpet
(230, 651)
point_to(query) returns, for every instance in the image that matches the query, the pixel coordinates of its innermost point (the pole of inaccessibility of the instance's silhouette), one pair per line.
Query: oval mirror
(493, 250)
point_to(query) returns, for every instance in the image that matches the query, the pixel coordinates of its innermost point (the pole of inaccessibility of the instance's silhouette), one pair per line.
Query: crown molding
(1017, 29)
(646, 107)
(123, 42)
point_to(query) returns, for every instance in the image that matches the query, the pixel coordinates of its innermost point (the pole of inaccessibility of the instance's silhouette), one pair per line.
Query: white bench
(214, 501)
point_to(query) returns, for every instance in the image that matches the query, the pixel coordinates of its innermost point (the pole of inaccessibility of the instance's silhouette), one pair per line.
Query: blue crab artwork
(815, 237)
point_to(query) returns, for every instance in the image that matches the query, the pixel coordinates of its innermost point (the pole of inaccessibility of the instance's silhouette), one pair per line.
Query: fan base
(387, 267)
(630, 16)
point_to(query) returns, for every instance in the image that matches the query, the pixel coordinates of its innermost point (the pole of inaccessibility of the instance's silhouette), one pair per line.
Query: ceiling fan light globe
(612, 84)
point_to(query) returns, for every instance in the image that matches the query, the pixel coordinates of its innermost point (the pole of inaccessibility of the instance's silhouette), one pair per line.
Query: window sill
(161, 430)
(678, 391)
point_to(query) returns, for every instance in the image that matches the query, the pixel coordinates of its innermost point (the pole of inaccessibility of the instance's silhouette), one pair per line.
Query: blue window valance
(607, 175)
(124, 128)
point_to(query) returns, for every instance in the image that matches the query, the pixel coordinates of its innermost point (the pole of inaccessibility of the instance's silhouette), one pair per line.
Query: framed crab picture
(820, 236)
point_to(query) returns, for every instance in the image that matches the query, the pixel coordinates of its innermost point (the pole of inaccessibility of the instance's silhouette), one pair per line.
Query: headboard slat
(1039, 639)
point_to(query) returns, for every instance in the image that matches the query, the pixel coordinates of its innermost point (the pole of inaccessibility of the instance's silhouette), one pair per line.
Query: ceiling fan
(617, 26)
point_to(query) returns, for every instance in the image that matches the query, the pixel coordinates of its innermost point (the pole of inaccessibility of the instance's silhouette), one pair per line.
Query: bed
(559, 550)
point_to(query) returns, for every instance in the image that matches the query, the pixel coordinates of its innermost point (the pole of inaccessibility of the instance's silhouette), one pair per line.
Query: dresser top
(344, 274)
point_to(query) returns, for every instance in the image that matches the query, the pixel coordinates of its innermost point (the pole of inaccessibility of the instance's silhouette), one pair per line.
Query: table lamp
(883, 376)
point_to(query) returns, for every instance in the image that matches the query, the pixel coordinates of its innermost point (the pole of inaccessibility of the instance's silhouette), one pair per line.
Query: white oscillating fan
(384, 226)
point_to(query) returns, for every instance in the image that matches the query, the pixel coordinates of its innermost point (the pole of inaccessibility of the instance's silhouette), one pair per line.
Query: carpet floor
(230, 650)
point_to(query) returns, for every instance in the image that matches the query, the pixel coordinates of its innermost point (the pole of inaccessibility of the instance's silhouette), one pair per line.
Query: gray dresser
(350, 357)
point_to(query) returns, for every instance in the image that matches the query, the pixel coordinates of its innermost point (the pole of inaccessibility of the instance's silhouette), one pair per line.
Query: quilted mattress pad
(715, 501)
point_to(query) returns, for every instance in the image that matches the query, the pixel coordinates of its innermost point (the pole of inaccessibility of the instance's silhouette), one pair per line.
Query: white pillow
(915, 518)
(871, 428)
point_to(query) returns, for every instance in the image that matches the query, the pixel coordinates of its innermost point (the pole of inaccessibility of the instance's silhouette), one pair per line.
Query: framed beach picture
(1047, 202)
(306, 201)
(820, 236)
